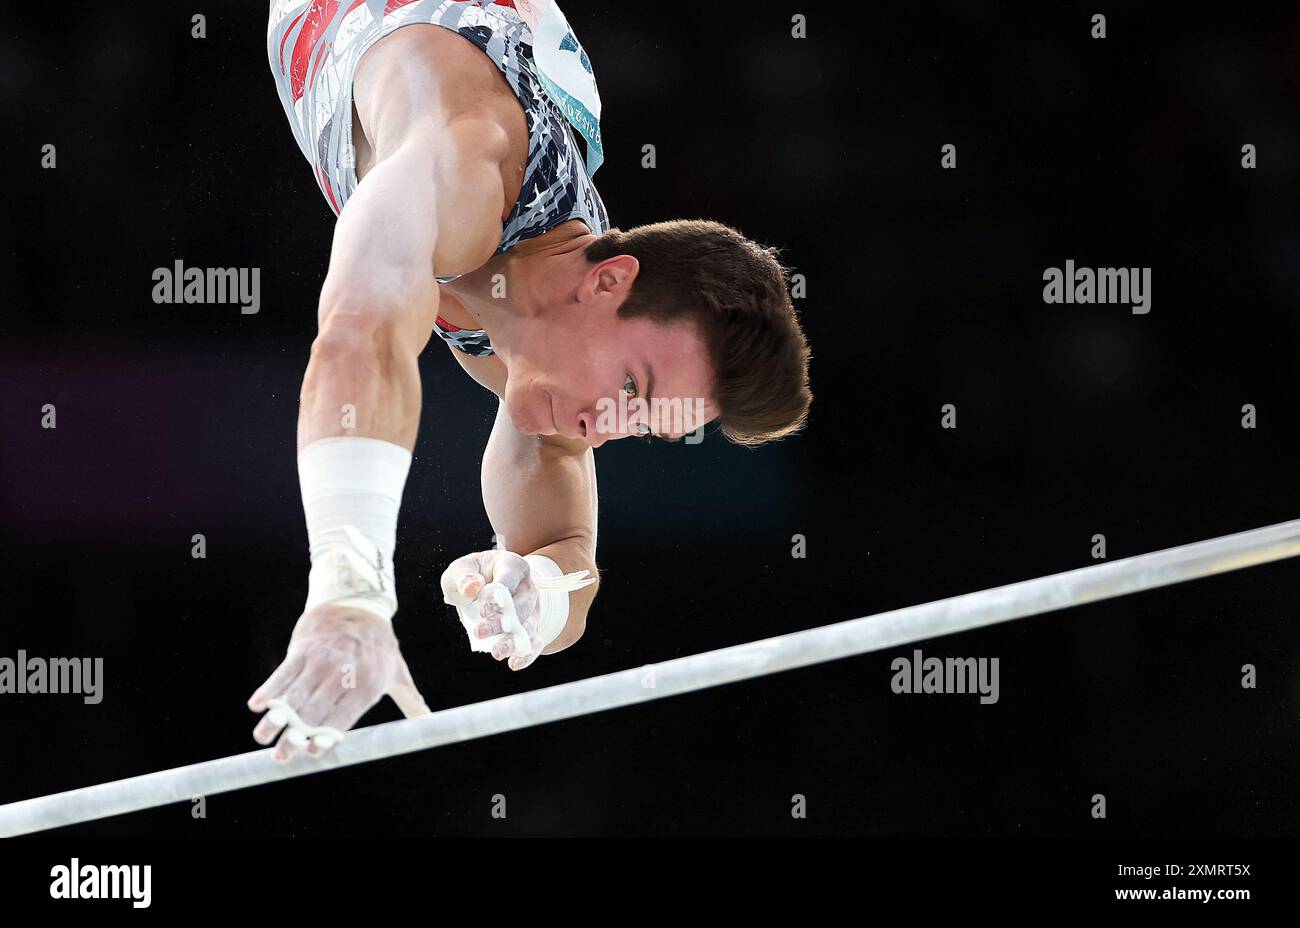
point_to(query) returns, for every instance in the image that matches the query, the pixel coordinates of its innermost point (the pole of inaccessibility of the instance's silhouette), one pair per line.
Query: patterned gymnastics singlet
(314, 47)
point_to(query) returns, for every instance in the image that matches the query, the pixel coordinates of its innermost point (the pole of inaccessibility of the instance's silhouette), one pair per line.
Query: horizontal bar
(670, 678)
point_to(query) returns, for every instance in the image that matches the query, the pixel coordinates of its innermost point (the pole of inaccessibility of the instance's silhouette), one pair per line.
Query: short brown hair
(735, 291)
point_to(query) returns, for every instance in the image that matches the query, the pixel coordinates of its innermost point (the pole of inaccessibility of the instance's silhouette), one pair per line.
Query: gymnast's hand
(464, 583)
(341, 661)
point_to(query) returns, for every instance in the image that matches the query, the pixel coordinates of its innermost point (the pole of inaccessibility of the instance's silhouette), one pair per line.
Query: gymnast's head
(659, 330)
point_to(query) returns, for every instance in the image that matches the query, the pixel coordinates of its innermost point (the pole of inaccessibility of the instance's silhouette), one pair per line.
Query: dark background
(924, 288)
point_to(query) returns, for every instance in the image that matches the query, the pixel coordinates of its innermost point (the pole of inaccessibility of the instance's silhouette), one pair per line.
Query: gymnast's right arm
(360, 405)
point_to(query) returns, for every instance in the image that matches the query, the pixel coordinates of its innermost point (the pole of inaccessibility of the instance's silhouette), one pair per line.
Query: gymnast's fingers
(278, 681)
(313, 675)
(520, 662)
(406, 694)
(523, 593)
(270, 725)
(318, 705)
(462, 579)
(290, 745)
(348, 710)
(527, 597)
(509, 569)
(322, 700)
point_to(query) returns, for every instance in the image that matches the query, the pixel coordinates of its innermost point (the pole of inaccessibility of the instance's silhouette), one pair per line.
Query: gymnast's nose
(588, 431)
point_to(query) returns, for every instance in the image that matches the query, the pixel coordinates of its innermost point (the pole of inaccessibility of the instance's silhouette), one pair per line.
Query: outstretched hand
(340, 662)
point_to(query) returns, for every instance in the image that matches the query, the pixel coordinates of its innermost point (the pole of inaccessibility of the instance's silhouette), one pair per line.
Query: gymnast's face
(589, 375)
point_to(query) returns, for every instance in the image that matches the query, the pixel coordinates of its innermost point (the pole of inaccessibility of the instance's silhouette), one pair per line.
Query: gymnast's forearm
(540, 496)
(360, 400)
(363, 377)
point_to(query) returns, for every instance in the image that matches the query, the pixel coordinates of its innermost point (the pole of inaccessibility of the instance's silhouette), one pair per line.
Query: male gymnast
(442, 134)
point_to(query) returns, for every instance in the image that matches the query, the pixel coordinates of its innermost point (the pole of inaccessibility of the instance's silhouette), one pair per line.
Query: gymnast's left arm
(540, 496)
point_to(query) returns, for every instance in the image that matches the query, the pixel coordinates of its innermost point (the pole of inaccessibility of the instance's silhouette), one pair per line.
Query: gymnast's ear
(610, 279)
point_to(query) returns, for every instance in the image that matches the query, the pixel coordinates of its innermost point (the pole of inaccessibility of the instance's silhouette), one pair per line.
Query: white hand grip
(512, 626)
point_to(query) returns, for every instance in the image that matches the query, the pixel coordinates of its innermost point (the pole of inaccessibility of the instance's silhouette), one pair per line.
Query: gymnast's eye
(630, 391)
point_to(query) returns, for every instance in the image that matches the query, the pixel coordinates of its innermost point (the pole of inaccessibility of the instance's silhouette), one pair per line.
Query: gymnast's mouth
(550, 406)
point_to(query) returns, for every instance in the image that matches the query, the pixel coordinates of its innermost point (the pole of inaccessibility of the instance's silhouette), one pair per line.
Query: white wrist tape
(553, 587)
(553, 598)
(351, 494)
(352, 571)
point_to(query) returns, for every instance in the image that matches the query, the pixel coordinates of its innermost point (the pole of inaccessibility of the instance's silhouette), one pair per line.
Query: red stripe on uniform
(319, 15)
(285, 38)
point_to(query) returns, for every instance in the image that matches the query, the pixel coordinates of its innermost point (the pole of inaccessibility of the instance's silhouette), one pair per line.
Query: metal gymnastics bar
(682, 675)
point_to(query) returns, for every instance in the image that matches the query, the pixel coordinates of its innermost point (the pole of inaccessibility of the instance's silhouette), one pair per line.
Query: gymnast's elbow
(370, 326)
